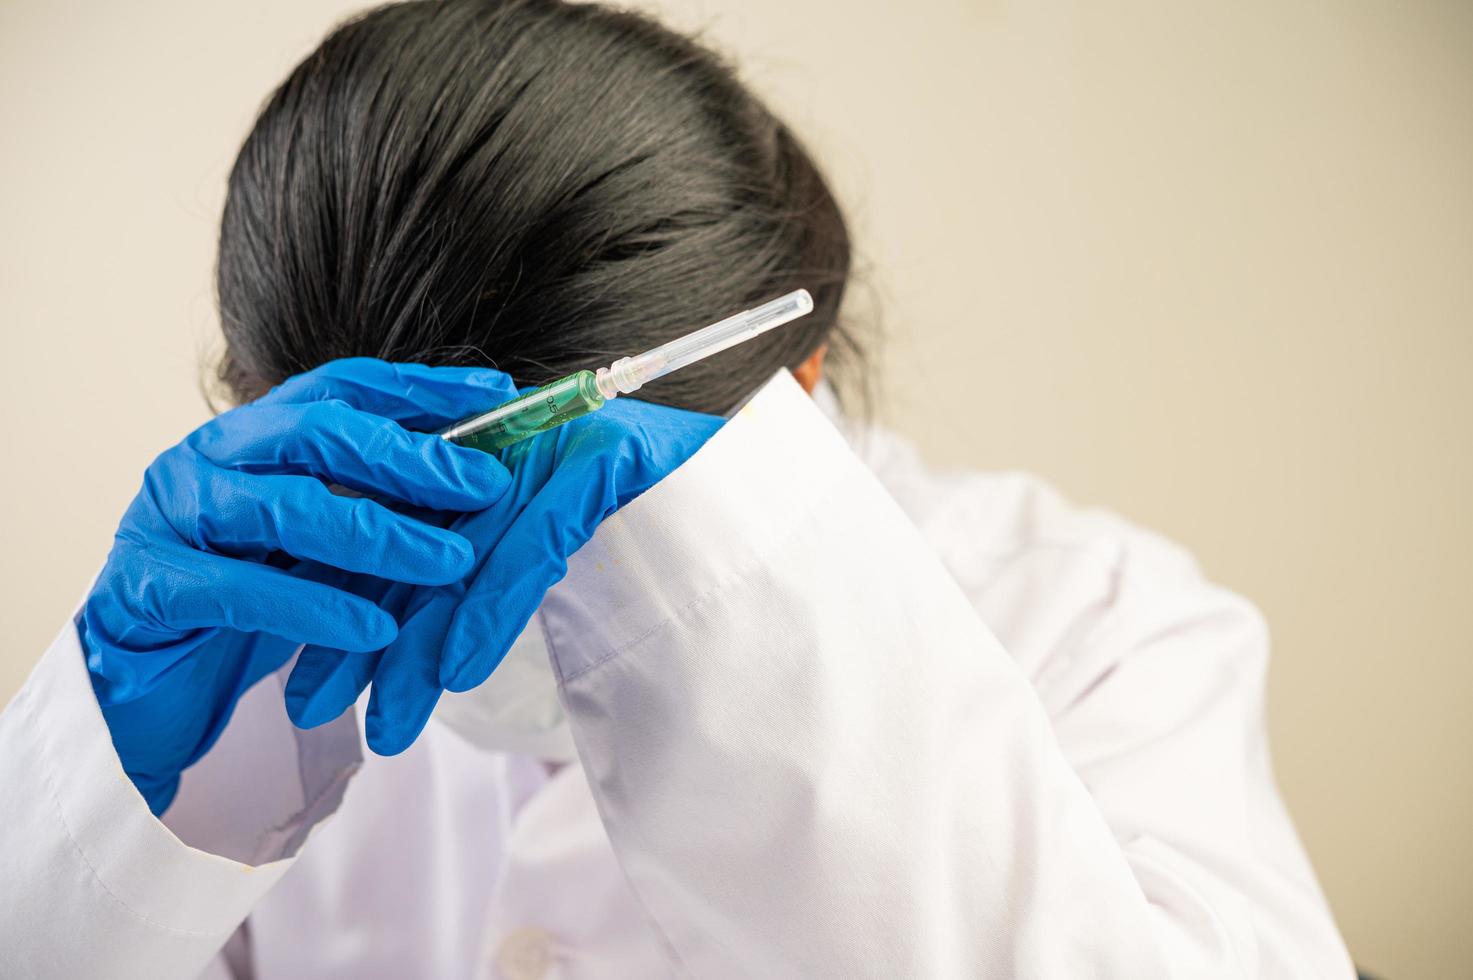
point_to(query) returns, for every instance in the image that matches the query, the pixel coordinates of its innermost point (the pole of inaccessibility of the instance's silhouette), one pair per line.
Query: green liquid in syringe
(542, 408)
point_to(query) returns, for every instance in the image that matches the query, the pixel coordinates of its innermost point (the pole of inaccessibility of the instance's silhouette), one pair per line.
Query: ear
(810, 371)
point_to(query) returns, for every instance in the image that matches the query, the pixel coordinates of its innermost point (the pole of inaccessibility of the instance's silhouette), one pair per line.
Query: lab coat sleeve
(814, 760)
(92, 884)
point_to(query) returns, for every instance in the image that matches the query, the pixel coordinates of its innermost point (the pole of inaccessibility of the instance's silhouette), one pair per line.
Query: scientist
(758, 697)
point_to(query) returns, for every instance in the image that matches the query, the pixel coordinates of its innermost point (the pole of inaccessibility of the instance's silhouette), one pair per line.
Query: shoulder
(982, 518)
(1065, 588)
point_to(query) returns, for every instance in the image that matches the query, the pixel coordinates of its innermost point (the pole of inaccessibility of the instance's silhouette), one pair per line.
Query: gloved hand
(224, 563)
(564, 482)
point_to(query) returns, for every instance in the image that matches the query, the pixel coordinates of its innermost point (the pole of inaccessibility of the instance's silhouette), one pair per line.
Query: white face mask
(517, 710)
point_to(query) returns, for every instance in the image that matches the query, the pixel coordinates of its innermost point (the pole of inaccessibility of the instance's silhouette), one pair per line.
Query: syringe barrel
(542, 408)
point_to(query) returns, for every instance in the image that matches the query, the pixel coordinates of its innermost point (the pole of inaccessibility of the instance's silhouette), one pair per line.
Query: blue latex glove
(564, 483)
(223, 564)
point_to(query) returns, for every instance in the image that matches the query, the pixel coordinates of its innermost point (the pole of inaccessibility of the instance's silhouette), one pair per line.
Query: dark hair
(535, 185)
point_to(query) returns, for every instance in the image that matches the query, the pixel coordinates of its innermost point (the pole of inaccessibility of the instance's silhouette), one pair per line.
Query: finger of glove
(365, 452)
(528, 560)
(415, 395)
(215, 591)
(406, 685)
(244, 515)
(325, 682)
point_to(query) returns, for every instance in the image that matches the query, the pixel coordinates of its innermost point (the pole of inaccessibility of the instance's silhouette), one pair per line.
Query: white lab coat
(836, 716)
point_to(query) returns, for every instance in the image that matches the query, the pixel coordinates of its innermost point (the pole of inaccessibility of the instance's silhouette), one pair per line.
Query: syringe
(582, 392)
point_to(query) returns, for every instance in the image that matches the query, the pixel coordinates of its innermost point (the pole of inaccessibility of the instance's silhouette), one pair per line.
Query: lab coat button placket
(525, 954)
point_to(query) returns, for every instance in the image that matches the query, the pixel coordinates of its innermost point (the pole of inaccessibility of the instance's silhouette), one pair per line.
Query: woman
(769, 699)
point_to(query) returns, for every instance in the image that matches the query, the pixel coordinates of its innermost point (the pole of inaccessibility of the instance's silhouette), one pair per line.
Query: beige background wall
(1208, 264)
